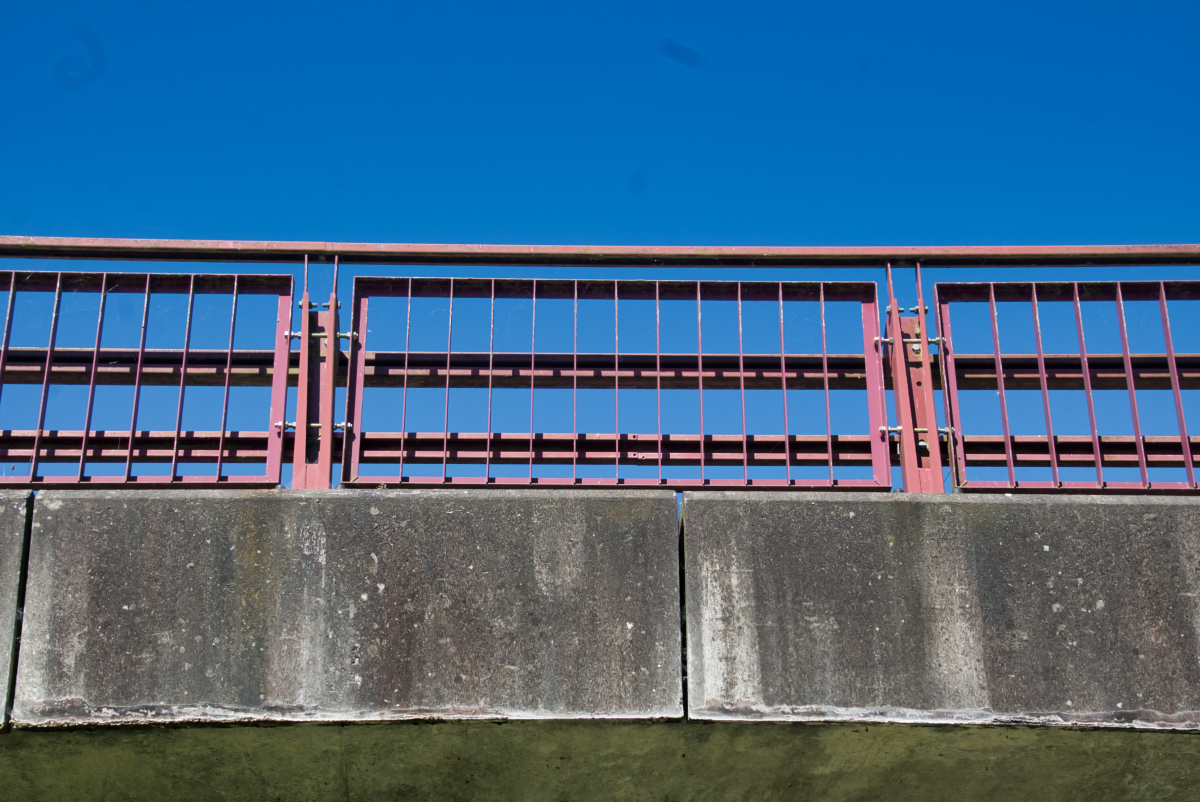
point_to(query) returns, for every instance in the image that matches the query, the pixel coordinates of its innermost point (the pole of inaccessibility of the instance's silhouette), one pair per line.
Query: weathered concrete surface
(12, 546)
(350, 605)
(582, 760)
(943, 608)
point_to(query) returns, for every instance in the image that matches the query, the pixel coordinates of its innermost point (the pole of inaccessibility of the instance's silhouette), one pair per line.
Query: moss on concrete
(548, 760)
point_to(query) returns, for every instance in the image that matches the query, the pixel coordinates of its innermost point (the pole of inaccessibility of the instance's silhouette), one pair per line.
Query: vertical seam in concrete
(18, 620)
(683, 643)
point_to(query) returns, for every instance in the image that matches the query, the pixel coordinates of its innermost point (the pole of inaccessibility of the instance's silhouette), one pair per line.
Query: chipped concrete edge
(80, 713)
(1120, 719)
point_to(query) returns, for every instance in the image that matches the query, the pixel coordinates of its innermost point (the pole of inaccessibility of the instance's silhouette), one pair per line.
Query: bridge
(559, 522)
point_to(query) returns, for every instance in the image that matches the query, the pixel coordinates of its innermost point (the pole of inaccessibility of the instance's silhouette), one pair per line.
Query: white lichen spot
(1045, 548)
(1056, 607)
(381, 587)
(363, 597)
(208, 672)
(374, 510)
(1099, 604)
(629, 625)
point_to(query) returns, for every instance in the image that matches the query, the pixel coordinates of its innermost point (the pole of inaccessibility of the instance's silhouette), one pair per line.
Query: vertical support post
(279, 383)
(876, 398)
(331, 346)
(910, 467)
(355, 381)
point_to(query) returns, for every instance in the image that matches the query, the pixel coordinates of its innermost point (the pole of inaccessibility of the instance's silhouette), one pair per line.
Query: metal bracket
(283, 424)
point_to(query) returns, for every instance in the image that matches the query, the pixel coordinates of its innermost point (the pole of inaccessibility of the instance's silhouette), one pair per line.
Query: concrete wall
(350, 605)
(1031, 609)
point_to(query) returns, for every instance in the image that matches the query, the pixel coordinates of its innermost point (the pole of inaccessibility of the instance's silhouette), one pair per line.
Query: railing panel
(1094, 399)
(106, 378)
(639, 383)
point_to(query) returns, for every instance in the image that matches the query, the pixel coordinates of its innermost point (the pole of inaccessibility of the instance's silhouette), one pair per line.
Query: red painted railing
(360, 441)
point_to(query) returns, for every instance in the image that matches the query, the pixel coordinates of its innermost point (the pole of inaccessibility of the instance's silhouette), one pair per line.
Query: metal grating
(553, 358)
(1161, 462)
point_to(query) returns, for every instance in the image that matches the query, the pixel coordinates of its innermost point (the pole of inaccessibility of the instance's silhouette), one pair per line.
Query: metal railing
(563, 394)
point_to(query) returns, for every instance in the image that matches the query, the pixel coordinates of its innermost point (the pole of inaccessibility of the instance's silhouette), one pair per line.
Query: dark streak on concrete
(350, 605)
(1030, 609)
(13, 531)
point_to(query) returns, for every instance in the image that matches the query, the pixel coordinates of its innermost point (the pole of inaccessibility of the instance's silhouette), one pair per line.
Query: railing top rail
(596, 255)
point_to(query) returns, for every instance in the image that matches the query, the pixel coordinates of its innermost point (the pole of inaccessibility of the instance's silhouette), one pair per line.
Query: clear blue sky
(772, 123)
(671, 123)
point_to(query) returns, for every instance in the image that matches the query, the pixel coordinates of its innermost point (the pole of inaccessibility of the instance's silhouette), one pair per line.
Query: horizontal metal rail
(594, 255)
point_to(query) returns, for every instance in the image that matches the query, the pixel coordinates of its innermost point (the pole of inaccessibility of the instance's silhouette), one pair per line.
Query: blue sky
(769, 123)
(789, 123)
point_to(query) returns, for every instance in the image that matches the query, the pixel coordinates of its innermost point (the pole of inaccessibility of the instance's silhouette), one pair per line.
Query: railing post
(312, 454)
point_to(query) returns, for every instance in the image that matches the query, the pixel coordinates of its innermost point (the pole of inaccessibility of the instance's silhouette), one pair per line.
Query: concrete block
(1026, 609)
(12, 546)
(350, 605)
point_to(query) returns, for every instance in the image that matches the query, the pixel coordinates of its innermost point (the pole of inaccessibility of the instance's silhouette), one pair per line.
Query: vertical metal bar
(87, 415)
(1137, 426)
(1185, 444)
(616, 382)
(8, 314)
(187, 344)
(356, 384)
(658, 373)
(46, 370)
(404, 391)
(700, 381)
(1008, 450)
(446, 410)
(787, 437)
(1087, 386)
(950, 392)
(487, 464)
(277, 430)
(304, 378)
(228, 371)
(825, 382)
(332, 346)
(881, 461)
(924, 406)
(742, 388)
(532, 371)
(575, 385)
(910, 467)
(137, 380)
(1037, 337)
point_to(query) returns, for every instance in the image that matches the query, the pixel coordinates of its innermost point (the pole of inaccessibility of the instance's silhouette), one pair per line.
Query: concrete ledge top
(825, 496)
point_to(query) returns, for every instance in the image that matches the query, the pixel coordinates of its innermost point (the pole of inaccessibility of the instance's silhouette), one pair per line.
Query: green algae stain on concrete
(549, 760)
